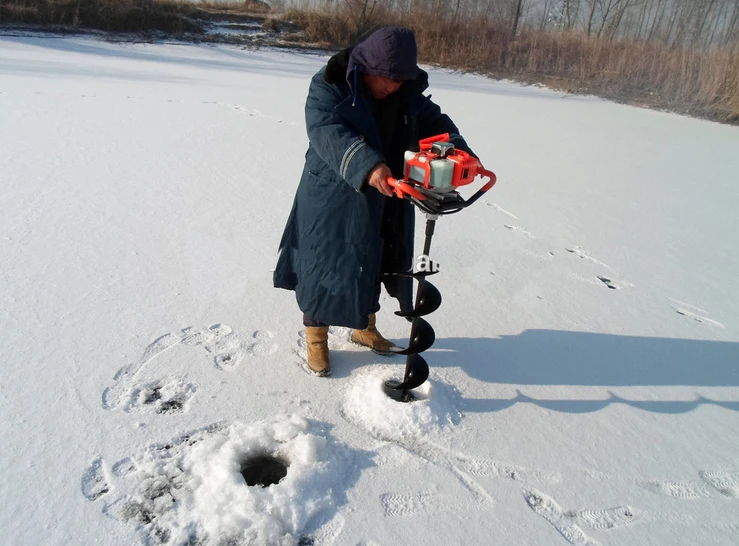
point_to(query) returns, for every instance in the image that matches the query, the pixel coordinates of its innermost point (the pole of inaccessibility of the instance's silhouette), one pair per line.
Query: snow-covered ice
(584, 384)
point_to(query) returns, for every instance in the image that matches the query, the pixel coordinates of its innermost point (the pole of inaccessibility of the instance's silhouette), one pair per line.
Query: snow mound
(192, 491)
(367, 406)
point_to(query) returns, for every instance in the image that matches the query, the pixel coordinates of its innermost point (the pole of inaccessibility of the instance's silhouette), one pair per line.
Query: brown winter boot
(372, 338)
(316, 338)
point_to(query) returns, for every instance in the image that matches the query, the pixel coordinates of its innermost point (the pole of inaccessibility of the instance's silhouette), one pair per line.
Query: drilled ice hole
(263, 470)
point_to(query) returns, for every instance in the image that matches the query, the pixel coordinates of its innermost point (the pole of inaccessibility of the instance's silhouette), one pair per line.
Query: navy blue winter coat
(342, 233)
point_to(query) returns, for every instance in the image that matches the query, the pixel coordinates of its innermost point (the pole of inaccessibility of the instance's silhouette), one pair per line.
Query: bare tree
(593, 4)
(659, 14)
(611, 15)
(571, 12)
(731, 31)
(545, 14)
(517, 7)
(361, 12)
(456, 12)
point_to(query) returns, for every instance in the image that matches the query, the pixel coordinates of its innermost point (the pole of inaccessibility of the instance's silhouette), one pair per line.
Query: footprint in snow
(213, 338)
(614, 284)
(227, 348)
(228, 359)
(491, 469)
(163, 396)
(521, 230)
(153, 483)
(723, 527)
(114, 395)
(399, 505)
(501, 209)
(257, 113)
(605, 520)
(123, 467)
(220, 341)
(669, 488)
(228, 351)
(698, 318)
(585, 255)
(726, 483)
(241, 108)
(481, 495)
(547, 508)
(261, 343)
(567, 523)
(678, 490)
(94, 482)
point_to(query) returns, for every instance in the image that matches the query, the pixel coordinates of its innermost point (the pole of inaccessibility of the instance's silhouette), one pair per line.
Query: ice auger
(431, 178)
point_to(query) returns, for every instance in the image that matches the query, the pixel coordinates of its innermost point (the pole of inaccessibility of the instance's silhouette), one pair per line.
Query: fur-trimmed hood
(337, 66)
(337, 73)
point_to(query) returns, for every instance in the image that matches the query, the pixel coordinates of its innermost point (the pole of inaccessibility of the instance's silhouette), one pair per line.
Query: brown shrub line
(702, 83)
(135, 16)
(698, 82)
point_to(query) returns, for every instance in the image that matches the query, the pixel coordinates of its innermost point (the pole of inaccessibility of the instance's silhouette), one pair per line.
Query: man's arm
(338, 144)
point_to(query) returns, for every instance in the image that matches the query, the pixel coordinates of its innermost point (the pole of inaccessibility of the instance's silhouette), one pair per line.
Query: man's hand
(378, 179)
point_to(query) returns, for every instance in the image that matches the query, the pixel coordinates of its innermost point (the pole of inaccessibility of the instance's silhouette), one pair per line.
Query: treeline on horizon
(677, 55)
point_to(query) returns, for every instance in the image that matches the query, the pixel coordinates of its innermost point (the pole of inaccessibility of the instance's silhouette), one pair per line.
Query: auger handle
(402, 189)
(484, 173)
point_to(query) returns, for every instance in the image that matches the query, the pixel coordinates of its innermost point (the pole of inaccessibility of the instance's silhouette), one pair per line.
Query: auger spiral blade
(419, 373)
(423, 337)
(428, 302)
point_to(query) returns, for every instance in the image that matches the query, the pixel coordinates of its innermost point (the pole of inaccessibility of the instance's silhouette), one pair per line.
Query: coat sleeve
(432, 121)
(340, 146)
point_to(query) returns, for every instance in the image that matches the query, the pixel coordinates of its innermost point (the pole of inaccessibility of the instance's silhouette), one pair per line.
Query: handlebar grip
(489, 174)
(402, 189)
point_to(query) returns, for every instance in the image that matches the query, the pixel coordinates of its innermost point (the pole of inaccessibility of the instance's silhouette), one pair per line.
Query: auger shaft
(430, 226)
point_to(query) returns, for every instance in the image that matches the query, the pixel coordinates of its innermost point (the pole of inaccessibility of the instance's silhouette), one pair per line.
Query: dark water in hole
(264, 470)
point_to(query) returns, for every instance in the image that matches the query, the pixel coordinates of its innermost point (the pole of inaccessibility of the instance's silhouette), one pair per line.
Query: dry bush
(689, 80)
(112, 15)
(469, 45)
(335, 28)
(320, 29)
(244, 6)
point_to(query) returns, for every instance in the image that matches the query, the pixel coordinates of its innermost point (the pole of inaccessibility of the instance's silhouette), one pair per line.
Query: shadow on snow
(561, 358)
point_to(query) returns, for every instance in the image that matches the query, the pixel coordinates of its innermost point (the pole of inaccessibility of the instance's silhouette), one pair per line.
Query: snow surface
(584, 382)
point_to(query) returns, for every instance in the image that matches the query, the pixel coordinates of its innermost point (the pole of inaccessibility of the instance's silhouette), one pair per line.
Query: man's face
(380, 86)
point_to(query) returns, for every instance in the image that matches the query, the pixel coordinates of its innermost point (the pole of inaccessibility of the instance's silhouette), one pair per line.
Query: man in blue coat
(346, 229)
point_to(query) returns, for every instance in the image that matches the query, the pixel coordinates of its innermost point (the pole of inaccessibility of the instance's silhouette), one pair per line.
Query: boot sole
(311, 371)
